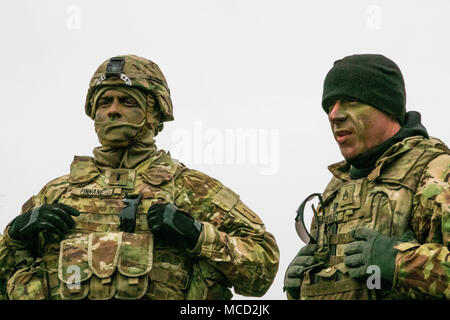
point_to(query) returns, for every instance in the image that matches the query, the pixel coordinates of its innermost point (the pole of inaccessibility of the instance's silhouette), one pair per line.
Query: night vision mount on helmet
(133, 71)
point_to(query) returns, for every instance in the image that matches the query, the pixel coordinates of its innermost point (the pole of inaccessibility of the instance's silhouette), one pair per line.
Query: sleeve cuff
(197, 249)
(405, 246)
(206, 242)
(13, 243)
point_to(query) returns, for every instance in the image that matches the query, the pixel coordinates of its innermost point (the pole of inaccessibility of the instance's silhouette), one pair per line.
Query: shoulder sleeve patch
(226, 199)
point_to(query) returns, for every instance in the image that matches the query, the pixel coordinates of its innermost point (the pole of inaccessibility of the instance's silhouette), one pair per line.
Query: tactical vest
(382, 201)
(98, 261)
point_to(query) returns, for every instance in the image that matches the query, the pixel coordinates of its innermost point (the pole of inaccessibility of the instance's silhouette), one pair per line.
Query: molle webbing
(341, 238)
(400, 169)
(331, 287)
(334, 260)
(179, 279)
(341, 216)
(94, 194)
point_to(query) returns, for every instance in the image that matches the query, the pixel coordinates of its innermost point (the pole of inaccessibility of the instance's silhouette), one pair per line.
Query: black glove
(372, 248)
(294, 273)
(54, 218)
(173, 226)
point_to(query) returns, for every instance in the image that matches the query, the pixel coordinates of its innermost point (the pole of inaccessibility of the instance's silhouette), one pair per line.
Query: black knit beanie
(370, 78)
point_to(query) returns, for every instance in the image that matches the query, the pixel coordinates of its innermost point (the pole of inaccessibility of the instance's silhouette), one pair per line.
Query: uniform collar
(341, 170)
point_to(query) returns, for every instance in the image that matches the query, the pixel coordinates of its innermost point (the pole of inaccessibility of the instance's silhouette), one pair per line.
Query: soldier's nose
(114, 110)
(336, 113)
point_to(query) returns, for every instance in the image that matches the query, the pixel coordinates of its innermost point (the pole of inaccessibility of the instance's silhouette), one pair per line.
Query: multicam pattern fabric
(143, 74)
(424, 271)
(408, 189)
(234, 249)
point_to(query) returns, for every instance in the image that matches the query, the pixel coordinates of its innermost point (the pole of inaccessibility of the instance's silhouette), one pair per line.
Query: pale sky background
(235, 68)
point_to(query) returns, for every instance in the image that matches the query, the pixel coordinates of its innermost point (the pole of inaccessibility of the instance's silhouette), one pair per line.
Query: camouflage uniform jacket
(407, 189)
(234, 248)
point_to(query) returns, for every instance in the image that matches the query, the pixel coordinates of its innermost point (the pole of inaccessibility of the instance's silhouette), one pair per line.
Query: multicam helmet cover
(133, 71)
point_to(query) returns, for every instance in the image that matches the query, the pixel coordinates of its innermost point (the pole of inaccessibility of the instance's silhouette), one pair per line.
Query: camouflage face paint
(358, 127)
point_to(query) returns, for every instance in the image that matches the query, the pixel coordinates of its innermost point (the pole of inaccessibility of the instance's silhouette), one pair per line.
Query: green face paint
(358, 127)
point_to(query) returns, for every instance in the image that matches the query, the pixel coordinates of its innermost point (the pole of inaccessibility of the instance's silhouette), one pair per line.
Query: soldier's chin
(349, 152)
(115, 144)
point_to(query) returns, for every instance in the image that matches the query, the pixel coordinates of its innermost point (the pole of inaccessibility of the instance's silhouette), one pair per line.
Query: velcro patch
(226, 199)
(91, 192)
(347, 195)
(120, 178)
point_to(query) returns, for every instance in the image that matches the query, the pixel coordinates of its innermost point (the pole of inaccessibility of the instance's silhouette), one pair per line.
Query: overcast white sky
(236, 68)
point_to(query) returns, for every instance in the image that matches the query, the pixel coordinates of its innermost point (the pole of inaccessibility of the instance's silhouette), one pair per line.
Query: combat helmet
(134, 71)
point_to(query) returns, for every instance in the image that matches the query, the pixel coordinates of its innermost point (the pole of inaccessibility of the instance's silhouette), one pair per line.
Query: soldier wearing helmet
(132, 222)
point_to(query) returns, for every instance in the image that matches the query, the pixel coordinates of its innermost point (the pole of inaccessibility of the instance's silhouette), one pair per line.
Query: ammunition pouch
(103, 266)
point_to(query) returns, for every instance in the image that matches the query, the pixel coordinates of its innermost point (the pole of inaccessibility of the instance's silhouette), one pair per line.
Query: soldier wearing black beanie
(377, 81)
(385, 213)
(369, 78)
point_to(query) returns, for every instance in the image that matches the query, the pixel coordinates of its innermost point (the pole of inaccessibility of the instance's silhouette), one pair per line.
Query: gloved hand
(175, 227)
(294, 273)
(371, 248)
(55, 218)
